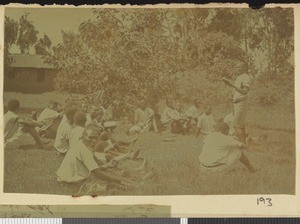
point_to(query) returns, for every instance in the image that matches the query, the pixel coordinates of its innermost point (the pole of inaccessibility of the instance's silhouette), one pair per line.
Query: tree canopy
(131, 54)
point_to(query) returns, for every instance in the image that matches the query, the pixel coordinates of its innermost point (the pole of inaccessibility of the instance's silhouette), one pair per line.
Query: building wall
(29, 80)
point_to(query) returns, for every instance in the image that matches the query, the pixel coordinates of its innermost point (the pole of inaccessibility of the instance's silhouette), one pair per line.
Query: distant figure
(241, 88)
(143, 119)
(169, 113)
(220, 152)
(173, 117)
(192, 115)
(97, 118)
(180, 125)
(61, 143)
(92, 110)
(206, 122)
(14, 127)
(228, 119)
(194, 112)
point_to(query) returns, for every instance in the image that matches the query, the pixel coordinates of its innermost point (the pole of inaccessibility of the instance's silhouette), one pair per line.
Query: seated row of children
(176, 120)
(73, 138)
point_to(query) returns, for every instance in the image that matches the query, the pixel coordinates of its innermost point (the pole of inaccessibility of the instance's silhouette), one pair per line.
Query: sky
(51, 21)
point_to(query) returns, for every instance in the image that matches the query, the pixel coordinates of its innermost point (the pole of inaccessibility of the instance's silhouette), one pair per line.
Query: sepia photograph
(149, 101)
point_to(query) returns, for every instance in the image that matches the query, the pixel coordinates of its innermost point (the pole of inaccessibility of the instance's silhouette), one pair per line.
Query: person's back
(216, 147)
(12, 129)
(77, 164)
(206, 123)
(221, 152)
(10, 124)
(47, 115)
(75, 135)
(61, 143)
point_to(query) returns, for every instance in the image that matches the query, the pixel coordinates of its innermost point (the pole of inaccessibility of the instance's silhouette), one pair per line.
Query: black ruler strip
(121, 221)
(244, 221)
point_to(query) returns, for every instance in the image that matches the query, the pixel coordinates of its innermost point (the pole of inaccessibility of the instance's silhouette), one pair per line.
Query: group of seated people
(83, 135)
(221, 148)
(174, 119)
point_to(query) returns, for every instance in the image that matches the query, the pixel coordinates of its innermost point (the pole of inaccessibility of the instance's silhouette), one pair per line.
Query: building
(29, 73)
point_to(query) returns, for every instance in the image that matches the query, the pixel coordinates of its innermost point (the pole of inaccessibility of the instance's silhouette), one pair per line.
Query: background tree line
(24, 34)
(132, 54)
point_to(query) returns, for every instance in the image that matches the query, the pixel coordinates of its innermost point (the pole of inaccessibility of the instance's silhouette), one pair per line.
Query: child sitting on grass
(61, 143)
(51, 118)
(14, 127)
(108, 147)
(79, 125)
(206, 122)
(79, 162)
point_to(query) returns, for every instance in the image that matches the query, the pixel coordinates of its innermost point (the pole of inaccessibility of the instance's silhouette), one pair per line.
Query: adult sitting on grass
(79, 163)
(14, 127)
(220, 152)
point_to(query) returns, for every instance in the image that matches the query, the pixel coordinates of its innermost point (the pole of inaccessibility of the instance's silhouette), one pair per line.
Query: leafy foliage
(27, 36)
(129, 54)
(43, 45)
(10, 36)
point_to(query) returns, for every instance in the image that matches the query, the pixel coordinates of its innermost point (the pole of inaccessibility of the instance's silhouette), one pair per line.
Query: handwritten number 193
(264, 201)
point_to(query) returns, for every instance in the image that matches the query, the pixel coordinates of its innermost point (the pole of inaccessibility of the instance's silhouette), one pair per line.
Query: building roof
(29, 61)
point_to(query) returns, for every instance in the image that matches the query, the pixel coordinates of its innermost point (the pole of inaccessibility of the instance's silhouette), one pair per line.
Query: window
(41, 75)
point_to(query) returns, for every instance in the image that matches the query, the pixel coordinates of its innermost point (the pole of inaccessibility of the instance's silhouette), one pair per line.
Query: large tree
(27, 35)
(126, 54)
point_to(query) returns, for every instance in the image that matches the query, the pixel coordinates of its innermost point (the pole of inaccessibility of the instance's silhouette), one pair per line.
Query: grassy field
(31, 170)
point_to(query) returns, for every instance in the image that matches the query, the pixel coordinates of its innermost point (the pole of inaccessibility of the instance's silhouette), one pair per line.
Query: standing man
(241, 88)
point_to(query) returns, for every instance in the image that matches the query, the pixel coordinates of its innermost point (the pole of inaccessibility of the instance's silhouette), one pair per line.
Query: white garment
(61, 142)
(142, 119)
(193, 112)
(47, 114)
(217, 147)
(75, 136)
(206, 123)
(168, 115)
(12, 129)
(229, 121)
(243, 80)
(89, 119)
(77, 164)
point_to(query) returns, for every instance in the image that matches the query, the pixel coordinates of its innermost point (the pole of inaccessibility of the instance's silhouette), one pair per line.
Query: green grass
(33, 170)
